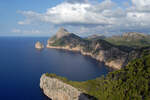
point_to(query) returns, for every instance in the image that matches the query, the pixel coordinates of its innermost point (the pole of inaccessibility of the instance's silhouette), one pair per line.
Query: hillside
(131, 39)
(99, 49)
(130, 83)
(95, 37)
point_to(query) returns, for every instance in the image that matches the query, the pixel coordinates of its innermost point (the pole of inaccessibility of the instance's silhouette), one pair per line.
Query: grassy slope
(130, 83)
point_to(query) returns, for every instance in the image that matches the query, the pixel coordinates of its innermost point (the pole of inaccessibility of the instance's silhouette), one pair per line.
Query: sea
(21, 66)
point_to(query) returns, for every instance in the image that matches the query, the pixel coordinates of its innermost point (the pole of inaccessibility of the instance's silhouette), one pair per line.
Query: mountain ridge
(131, 39)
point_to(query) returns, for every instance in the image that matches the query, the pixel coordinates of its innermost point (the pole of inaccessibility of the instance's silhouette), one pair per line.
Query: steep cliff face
(58, 90)
(113, 56)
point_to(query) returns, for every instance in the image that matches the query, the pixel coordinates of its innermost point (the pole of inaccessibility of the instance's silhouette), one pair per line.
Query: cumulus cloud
(68, 13)
(104, 17)
(140, 6)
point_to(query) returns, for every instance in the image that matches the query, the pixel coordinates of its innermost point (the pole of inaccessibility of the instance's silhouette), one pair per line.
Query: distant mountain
(95, 37)
(62, 32)
(59, 34)
(99, 49)
(63, 37)
(132, 39)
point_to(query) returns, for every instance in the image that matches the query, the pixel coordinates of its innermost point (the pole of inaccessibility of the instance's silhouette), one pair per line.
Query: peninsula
(112, 55)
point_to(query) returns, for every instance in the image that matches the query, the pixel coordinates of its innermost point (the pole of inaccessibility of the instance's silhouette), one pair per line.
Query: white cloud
(68, 13)
(25, 22)
(26, 31)
(16, 30)
(102, 17)
(31, 32)
(140, 5)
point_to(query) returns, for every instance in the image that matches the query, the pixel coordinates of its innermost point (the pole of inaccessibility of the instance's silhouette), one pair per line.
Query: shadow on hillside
(83, 95)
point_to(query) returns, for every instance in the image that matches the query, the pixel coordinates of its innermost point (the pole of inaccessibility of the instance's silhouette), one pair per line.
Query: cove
(21, 67)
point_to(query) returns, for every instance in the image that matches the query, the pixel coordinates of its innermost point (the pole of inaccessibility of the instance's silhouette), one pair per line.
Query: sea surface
(21, 66)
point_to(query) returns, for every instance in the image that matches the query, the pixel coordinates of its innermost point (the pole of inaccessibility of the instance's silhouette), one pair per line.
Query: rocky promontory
(101, 50)
(59, 90)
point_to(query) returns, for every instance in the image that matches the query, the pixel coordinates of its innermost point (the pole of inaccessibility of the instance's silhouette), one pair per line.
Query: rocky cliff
(113, 56)
(58, 90)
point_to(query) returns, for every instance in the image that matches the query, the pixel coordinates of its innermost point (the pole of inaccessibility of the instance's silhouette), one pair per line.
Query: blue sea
(21, 66)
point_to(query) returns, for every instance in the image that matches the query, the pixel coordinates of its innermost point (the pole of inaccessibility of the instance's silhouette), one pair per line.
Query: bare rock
(39, 45)
(57, 90)
(61, 32)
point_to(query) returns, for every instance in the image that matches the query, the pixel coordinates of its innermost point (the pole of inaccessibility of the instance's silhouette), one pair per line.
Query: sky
(82, 17)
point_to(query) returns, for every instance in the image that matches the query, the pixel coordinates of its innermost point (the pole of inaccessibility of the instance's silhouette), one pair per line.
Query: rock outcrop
(61, 32)
(39, 45)
(55, 89)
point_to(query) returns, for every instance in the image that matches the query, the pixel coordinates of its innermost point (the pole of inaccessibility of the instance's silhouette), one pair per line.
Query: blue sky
(9, 16)
(83, 17)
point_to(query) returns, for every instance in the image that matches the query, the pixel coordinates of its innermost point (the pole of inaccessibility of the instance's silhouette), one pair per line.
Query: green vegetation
(130, 83)
(129, 43)
(139, 41)
(73, 40)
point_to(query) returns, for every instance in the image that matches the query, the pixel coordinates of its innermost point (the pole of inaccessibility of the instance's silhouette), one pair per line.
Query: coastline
(112, 64)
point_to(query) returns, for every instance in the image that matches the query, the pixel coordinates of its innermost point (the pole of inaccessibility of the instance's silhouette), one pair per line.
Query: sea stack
(39, 45)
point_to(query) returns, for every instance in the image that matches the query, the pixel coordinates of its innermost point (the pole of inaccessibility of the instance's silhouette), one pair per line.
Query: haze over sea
(21, 67)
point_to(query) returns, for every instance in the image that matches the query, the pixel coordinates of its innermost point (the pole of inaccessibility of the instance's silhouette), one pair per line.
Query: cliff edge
(58, 90)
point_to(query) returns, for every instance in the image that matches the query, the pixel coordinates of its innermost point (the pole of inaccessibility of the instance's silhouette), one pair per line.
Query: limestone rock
(61, 32)
(58, 90)
(39, 45)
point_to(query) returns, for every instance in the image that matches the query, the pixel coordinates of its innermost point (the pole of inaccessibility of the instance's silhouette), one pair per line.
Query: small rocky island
(39, 45)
